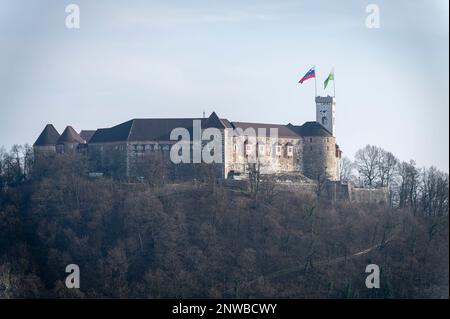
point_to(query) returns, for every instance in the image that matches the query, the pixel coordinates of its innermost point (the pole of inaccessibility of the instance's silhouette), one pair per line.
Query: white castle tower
(326, 113)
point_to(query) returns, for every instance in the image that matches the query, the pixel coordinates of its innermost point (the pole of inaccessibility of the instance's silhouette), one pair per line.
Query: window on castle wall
(310, 148)
(328, 148)
(248, 149)
(261, 150)
(278, 150)
(290, 150)
(310, 139)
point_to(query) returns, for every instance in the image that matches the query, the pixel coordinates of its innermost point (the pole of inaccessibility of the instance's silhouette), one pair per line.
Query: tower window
(310, 139)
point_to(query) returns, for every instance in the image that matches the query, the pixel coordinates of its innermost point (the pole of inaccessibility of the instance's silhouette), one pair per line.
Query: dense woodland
(150, 240)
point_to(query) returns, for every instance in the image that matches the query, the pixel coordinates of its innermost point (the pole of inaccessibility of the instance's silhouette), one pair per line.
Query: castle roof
(214, 121)
(159, 129)
(283, 130)
(142, 130)
(87, 135)
(153, 129)
(49, 136)
(310, 129)
(70, 136)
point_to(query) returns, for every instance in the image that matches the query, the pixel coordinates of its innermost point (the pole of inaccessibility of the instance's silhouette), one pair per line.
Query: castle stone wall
(271, 155)
(319, 157)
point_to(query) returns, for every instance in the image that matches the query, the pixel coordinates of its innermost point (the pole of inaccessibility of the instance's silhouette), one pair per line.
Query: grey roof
(153, 129)
(87, 135)
(214, 121)
(283, 130)
(226, 123)
(49, 136)
(143, 130)
(70, 136)
(310, 129)
(159, 129)
(114, 134)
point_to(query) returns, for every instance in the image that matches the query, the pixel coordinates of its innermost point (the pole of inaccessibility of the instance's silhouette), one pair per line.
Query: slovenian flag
(309, 75)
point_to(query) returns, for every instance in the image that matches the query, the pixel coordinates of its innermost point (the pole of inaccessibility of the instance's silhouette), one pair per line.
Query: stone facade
(320, 159)
(271, 155)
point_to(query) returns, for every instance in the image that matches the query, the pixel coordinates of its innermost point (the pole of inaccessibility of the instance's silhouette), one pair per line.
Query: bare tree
(386, 166)
(409, 185)
(346, 170)
(153, 168)
(254, 178)
(434, 195)
(366, 161)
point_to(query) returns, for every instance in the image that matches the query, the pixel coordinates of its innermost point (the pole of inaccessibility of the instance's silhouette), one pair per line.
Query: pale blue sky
(241, 59)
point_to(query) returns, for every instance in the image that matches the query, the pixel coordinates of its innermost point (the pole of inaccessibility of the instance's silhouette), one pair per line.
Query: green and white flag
(329, 78)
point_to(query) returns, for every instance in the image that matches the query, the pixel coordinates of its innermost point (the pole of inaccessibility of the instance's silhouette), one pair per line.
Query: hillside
(207, 241)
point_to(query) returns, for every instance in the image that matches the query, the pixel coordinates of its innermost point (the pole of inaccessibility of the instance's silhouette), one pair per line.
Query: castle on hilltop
(123, 150)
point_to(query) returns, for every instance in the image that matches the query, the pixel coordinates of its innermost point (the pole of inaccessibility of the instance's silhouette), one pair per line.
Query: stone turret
(319, 151)
(69, 140)
(47, 140)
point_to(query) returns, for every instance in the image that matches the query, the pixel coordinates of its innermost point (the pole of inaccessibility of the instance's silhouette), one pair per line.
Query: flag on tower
(329, 78)
(309, 75)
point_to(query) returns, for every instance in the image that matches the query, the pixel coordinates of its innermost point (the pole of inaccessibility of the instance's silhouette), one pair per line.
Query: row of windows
(150, 147)
(261, 150)
(143, 147)
(311, 148)
(311, 140)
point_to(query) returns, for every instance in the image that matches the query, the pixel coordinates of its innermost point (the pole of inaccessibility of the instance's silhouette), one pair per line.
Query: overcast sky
(241, 59)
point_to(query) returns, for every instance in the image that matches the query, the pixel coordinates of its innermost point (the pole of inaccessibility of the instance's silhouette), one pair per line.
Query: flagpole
(334, 83)
(315, 80)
